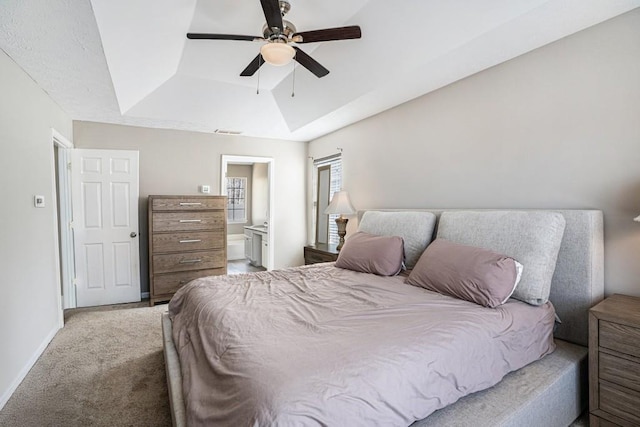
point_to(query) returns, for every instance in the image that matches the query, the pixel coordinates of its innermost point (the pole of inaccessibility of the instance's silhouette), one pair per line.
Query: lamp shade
(277, 53)
(340, 204)
(637, 219)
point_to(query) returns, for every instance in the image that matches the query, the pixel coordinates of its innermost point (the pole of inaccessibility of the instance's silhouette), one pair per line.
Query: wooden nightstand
(320, 252)
(614, 362)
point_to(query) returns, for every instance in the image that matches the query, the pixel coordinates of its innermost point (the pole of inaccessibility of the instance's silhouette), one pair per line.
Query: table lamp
(340, 205)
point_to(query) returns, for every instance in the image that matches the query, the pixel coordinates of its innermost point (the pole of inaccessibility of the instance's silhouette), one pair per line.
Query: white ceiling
(129, 62)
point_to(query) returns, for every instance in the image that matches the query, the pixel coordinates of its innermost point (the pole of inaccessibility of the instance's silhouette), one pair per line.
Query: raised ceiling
(129, 62)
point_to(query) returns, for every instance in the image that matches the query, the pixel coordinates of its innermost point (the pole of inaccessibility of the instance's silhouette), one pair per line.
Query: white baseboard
(144, 295)
(27, 367)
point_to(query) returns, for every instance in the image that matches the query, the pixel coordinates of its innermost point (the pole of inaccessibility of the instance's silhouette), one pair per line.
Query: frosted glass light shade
(637, 219)
(340, 204)
(277, 53)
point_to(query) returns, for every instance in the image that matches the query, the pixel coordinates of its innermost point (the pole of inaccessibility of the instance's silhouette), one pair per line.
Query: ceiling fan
(279, 34)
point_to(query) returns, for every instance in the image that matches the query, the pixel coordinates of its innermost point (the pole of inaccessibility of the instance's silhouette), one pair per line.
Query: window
(236, 199)
(332, 183)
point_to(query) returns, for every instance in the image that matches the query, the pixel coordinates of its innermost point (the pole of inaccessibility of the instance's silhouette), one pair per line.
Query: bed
(550, 391)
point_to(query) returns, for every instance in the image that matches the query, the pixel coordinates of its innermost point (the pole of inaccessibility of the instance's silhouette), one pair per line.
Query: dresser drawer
(619, 371)
(202, 260)
(186, 204)
(622, 338)
(188, 241)
(171, 282)
(188, 221)
(620, 401)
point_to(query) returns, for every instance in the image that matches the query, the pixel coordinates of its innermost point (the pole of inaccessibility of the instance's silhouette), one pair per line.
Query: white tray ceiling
(129, 62)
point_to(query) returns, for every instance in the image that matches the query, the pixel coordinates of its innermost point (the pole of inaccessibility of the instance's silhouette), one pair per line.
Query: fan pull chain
(259, 66)
(293, 87)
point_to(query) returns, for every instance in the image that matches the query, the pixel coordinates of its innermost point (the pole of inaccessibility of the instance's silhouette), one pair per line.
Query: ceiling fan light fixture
(277, 54)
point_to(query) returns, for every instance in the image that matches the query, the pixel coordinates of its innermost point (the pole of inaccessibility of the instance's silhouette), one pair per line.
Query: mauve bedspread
(320, 345)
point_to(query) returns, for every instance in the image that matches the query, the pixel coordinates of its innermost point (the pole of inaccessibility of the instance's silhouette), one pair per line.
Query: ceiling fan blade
(309, 63)
(204, 36)
(340, 33)
(253, 66)
(272, 13)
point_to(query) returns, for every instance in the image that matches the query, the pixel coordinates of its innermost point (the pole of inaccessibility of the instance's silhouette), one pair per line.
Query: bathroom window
(236, 199)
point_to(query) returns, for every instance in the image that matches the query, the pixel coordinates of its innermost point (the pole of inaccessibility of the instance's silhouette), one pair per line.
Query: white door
(105, 226)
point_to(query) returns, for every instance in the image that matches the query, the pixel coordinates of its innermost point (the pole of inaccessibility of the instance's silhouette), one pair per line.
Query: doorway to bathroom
(247, 181)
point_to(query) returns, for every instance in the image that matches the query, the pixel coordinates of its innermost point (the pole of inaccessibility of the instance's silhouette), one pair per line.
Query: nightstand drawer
(315, 257)
(622, 338)
(320, 252)
(595, 421)
(620, 371)
(620, 401)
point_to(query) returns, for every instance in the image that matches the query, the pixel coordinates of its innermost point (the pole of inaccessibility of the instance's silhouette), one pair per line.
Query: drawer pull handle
(182, 282)
(191, 241)
(190, 261)
(190, 220)
(190, 204)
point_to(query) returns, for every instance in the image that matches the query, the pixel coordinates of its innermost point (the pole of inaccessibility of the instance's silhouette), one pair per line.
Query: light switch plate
(206, 189)
(38, 201)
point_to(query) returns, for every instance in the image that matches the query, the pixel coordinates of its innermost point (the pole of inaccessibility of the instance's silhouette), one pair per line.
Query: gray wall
(29, 307)
(558, 127)
(242, 171)
(177, 162)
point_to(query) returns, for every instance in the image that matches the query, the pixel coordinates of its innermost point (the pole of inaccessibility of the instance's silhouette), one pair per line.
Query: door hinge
(75, 281)
(70, 224)
(69, 166)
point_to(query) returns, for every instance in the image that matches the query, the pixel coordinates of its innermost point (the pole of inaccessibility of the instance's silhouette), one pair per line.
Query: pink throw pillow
(368, 253)
(466, 272)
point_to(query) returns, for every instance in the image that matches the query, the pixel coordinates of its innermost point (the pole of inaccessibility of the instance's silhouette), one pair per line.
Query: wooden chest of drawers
(614, 362)
(187, 240)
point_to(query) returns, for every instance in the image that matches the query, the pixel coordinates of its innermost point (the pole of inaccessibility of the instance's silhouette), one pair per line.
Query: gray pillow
(368, 253)
(533, 238)
(415, 228)
(466, 272)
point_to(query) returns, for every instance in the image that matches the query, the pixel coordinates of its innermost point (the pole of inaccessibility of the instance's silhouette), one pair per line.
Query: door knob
(133, 234)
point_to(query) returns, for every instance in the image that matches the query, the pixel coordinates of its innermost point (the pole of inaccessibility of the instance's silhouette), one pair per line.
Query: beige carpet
(104, 368)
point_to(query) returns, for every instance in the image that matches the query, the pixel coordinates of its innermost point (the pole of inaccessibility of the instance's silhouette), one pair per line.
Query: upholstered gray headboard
(578, 281)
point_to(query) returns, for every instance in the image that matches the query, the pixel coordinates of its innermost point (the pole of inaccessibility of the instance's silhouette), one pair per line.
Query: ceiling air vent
(227, 132)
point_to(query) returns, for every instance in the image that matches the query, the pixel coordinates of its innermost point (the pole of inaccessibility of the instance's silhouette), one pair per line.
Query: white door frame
(63, 243)
(231, 159)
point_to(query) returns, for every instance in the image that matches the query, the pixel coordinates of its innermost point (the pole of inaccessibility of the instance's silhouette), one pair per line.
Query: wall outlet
(38, 201)
(206, 189)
